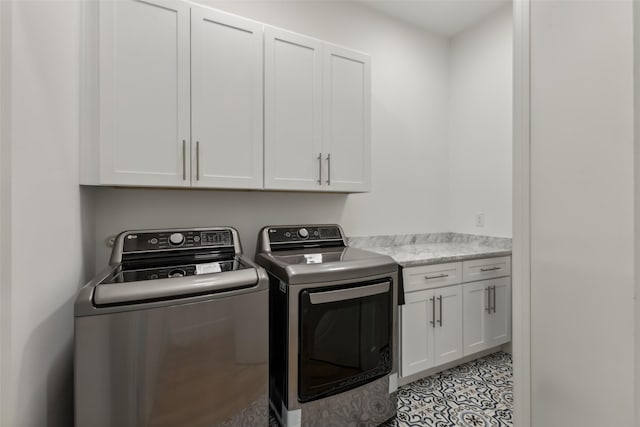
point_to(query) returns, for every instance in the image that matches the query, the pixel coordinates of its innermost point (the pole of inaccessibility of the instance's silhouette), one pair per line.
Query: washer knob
(176, 239)
(303, 233)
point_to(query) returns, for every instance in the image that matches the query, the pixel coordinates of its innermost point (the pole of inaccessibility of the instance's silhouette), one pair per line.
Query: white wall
(480, 129)
(582, 231)
(409, 161)
(4, 296)
(636, 61)
(51, 239)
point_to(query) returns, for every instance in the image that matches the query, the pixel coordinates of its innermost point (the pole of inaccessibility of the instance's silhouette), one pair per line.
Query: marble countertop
(424, 249)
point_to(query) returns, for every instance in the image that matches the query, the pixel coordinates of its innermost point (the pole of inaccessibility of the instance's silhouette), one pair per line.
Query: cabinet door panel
(293, 67)
(475, 316)
(226, 69)
(448, 331)
(417, 332)
(347, 123)
(144, 92)
(499, 320)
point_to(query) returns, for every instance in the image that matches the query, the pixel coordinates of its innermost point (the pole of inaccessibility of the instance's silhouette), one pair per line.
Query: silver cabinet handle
(488, 289)
(329, 169)
(184, 160)
(440, 302)
(490, 269)
(433, 312)
(439, 276)
(494, 298)
(197, 160)
(319, 168)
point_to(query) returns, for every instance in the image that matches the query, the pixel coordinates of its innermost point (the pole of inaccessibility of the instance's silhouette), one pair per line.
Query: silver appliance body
(320, 289)
(173, 333)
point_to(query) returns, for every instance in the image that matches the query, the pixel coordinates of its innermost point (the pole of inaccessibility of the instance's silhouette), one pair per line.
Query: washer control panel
(304, 234)
(176, 239)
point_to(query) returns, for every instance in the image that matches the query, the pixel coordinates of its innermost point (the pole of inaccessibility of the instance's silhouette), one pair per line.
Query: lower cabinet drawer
(486, 268)
(432, 276)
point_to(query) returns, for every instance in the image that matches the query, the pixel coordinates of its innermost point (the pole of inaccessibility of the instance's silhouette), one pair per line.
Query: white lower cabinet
(486, 314)
(447, 317)
(431, 328)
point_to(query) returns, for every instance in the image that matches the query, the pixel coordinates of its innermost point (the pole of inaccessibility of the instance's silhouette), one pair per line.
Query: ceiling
(443, 17)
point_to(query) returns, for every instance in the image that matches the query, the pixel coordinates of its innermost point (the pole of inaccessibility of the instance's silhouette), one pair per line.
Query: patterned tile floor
(476, 394)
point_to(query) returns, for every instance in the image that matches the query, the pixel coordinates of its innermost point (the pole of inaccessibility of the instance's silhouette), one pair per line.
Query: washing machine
(173, 333)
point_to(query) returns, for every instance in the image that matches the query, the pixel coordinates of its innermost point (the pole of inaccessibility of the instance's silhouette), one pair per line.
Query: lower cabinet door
(417, 332)
(475, 306)
(499, 320)
(448, 330)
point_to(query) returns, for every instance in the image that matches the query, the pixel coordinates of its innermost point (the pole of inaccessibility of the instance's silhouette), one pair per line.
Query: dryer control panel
(293, 234)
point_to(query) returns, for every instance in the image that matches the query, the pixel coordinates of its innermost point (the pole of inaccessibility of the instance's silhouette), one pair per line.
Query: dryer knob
(303, 233)
(176, 239)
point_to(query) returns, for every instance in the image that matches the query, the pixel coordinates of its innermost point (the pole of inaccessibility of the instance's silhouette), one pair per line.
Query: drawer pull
(439, 276)
(490, 269)
(440, 302)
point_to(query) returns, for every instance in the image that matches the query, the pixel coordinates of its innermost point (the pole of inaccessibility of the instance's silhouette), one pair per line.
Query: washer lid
(113, 293)
(325, 264)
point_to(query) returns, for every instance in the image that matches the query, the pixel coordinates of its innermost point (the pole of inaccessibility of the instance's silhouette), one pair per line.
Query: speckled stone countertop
(411, 250)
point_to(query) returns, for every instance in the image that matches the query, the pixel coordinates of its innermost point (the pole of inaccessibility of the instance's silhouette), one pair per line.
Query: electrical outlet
(480, 219)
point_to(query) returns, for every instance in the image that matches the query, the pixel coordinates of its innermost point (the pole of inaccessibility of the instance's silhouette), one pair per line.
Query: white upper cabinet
(144, 93)
(317, 115)
(293, 108)
(180, 95)
(226, 100)
(347, 119)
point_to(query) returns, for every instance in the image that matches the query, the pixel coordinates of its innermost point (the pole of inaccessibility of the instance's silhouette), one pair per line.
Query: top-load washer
(173, 333)
(333, 340)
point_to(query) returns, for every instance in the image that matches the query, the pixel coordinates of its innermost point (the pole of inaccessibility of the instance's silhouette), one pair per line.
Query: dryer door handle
(347, 294)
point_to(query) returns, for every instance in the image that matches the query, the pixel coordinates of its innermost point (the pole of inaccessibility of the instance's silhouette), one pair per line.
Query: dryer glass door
(345, 338)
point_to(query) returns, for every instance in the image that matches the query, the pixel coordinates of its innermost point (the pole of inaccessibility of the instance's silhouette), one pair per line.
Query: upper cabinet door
(144, 93)
(227, 88)
(293, 68)
(347, 119)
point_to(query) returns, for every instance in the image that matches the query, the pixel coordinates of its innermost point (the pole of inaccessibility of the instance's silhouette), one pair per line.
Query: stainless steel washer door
(196, 364)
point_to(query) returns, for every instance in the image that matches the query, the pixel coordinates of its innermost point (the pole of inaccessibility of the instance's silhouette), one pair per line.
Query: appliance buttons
(303, 233)
(176, 239)
(196, 238)
(153, 241)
